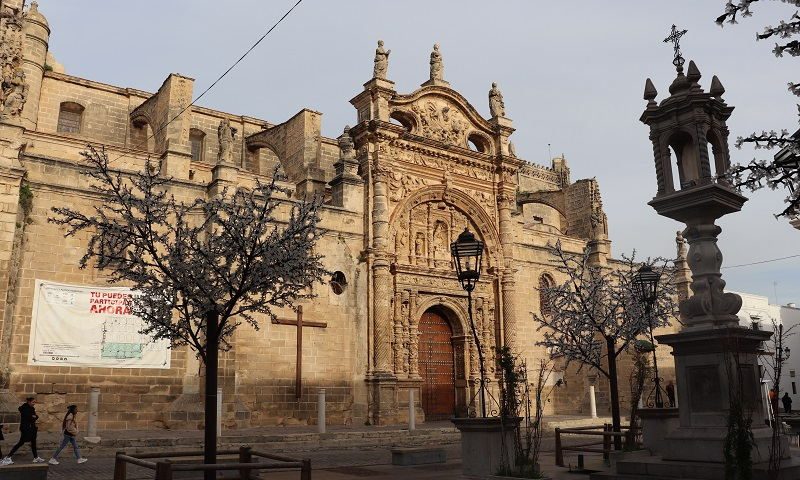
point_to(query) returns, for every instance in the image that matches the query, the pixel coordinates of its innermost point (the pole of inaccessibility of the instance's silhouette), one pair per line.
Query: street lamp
(467, 252)
(645, 285)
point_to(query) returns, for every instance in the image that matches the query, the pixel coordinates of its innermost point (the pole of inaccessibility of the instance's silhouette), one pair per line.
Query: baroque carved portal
(423, 235)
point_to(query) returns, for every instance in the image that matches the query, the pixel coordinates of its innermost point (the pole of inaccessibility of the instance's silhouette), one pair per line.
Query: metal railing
(169, 462)
(628, 434)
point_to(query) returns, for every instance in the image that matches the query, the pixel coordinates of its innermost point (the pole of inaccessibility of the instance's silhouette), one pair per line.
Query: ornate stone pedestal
(715, 367)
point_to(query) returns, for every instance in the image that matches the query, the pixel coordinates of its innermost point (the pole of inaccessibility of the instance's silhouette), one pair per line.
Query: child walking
(70, 428)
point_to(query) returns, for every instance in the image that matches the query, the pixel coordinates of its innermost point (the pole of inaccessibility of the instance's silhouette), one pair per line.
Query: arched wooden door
(437, 367)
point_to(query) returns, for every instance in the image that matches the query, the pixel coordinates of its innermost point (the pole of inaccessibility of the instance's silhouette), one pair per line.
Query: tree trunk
(212, 366)
(613, 385)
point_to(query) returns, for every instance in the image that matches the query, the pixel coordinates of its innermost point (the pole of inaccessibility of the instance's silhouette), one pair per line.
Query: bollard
(592, 402)
(219, 412)
(321, 410)
(91, 428)
(606, 441)
(412, 411)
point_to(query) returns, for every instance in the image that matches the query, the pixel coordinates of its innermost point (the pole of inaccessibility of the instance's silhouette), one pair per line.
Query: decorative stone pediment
(443, 115)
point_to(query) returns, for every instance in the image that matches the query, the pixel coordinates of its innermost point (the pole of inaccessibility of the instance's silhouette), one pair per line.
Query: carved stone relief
(439, 120)
(401, 184)
(13, 89)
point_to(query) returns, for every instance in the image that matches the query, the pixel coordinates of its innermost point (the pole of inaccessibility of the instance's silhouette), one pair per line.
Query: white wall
(757, 309)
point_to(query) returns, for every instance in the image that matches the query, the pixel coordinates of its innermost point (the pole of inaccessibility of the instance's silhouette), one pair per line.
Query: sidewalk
(283, 438)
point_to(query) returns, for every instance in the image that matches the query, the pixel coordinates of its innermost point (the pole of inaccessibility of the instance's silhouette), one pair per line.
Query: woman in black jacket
(27, 430)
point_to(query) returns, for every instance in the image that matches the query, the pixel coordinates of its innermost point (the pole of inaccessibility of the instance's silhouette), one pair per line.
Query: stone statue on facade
(225, 134)
(15, 98)
(681, 245)
(381, 61)
(496, 106)
(512, 151)
(437, 67)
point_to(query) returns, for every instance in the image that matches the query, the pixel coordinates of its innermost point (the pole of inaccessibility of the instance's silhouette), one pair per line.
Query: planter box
(657, 423)
(482, 442)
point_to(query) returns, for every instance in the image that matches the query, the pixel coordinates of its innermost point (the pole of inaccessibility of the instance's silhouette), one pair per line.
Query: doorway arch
(437, 366)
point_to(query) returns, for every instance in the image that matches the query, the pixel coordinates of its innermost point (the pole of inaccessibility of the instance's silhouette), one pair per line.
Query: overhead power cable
(762, 261)
(226, 72)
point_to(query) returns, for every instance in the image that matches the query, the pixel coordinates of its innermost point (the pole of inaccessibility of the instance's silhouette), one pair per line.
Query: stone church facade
(399, 186)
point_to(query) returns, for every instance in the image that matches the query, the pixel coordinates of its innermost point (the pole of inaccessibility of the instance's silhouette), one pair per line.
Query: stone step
(24, 471)
(659, 468)
(621, 476)
(418, 456)
(650, 468)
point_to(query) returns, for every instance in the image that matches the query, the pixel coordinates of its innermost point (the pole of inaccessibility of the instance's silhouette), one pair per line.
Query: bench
(418, 455)
(24, 471)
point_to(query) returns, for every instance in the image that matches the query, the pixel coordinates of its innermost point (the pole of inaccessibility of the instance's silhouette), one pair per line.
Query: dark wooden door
(436, 366)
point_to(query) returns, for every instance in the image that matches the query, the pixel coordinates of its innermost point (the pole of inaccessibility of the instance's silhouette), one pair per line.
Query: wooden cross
(299, 323)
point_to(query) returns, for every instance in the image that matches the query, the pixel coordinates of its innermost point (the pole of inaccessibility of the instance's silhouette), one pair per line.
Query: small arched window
(478, 143)
(545, 305)
(403, 119)
(70, 116)
(197, 141)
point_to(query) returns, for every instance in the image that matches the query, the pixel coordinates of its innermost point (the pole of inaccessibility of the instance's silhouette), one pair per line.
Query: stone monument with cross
(716, 360)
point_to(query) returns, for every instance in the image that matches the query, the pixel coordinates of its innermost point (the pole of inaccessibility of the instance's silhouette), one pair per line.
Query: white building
(757, 312)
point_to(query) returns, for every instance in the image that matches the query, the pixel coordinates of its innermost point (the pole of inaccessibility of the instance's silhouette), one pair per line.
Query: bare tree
(199, 269)
(783, 171)
(595, 314)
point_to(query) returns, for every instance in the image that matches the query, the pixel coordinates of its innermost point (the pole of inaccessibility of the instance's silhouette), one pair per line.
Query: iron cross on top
(675, 37)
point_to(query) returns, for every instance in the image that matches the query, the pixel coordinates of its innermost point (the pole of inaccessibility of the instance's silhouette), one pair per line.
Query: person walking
(27, 431)
(670, 388)
(787, 403)
(69, 427)
(2, 459)
(773, 401)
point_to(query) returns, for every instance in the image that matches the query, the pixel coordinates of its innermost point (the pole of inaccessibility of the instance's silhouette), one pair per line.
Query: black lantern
(645, 284)
(467, 252)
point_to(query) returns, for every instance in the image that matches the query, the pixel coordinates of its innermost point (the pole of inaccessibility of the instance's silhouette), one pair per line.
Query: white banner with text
(85, 326)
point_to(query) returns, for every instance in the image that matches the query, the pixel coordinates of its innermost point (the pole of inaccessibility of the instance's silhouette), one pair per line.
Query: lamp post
(467, 252)
(645, 284)
(781, 355)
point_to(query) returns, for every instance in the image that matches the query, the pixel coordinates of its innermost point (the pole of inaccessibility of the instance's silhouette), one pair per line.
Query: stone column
(505, 203)
(381, 275)
(413, 327)
(397, 344)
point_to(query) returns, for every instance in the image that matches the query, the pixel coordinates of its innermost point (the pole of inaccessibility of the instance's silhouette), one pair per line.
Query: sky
(572, 74)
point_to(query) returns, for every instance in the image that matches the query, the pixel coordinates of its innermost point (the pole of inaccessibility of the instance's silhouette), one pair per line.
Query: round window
(338, 282)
